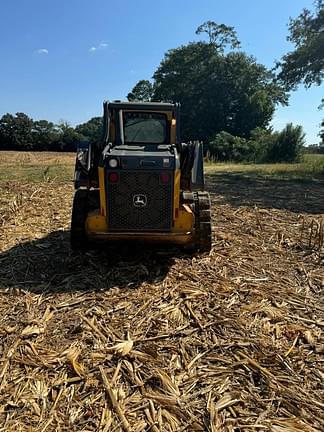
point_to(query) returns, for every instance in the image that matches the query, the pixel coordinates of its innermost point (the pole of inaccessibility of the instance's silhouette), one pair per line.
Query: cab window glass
(148, 128)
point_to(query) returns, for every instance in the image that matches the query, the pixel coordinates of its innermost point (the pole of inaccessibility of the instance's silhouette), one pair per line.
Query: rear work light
(113, 177)
(113, 163)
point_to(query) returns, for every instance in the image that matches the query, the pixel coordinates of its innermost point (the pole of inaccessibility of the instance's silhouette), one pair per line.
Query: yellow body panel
(185, 221)
(160, 238)
(176, 193)
(95, 222)
(173, 131)
(182, 231)
(102, 189)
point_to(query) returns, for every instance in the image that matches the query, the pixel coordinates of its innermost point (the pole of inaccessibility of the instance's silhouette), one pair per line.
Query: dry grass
(12, 158)
(133, 339)
(39, 167)
(310, 167)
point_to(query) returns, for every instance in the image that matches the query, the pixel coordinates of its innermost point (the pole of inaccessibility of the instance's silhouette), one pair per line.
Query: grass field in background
(310, 167)
(36, 166)
(59, 167)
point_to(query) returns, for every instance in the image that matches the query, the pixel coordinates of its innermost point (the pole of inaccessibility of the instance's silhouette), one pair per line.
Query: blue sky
(61, 59)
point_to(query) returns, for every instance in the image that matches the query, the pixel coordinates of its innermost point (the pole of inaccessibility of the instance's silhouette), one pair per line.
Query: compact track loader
(140, 182)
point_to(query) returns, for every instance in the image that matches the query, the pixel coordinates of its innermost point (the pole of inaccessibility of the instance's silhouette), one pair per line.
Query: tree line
(227, 98)
(20, 132)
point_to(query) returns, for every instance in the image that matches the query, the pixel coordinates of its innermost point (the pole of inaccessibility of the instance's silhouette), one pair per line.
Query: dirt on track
(133, 339)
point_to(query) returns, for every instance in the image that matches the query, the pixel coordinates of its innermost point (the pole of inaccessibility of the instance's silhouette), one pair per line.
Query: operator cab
(141, 124)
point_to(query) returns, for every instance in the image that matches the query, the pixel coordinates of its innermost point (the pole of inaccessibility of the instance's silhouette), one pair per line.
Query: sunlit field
(57, 167)
(310, 166)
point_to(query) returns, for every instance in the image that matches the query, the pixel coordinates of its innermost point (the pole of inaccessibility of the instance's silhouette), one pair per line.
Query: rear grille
(139, 201)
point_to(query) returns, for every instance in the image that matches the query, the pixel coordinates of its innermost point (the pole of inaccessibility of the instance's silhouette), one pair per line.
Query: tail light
(113, 177)
(165, 178)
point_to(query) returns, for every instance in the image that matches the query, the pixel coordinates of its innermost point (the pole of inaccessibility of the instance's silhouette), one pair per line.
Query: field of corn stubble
(133, 339)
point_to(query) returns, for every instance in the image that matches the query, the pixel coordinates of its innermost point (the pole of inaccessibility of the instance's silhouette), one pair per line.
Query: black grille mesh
(156, 215)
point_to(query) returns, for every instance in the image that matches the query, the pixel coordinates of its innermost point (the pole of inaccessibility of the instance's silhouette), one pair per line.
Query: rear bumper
(153, 237)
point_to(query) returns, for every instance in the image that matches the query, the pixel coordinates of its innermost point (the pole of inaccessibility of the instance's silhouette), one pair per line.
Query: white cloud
(42, 51)
(101, 46)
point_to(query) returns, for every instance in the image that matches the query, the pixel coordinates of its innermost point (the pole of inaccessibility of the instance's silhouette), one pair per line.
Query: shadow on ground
(48, 265)
(247, 189)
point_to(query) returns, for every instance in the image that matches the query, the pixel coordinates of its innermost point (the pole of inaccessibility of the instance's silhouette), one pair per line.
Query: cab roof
(154, 106)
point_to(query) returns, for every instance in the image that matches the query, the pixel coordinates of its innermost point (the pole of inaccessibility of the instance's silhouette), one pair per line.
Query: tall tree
(91, 130)
(6, 131)
(69, 137)
(142, 91)
(16, 132)
(217, 92)
(44, 133)
(305, 64)
(220, 35)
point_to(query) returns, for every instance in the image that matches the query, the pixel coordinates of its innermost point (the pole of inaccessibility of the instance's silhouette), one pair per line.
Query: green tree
(305, 64)
(91, 130)
(16, 132)
(44, 133)
(264, 145)
(217, 92)
(321, 134)
(220, 35)
(226, 147)
(286, 145)
(142, 91)
(6, 131)
(68, 138)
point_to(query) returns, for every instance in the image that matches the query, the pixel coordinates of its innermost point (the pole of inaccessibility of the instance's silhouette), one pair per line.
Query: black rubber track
(203, 227)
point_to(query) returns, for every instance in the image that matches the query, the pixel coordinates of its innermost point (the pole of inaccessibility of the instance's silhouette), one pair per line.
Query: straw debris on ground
(150, 339)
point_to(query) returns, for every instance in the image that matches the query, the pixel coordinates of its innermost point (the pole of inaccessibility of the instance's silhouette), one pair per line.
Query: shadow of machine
(250, 190)
(48, 265)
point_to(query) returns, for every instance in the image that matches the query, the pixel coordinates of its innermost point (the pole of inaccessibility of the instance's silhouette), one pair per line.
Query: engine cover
(140, 190)
(140, 201)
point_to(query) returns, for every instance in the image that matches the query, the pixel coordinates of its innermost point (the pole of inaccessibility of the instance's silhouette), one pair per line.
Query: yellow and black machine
(140, 182)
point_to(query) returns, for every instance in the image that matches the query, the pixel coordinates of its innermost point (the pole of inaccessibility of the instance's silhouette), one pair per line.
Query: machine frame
(91, 215)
